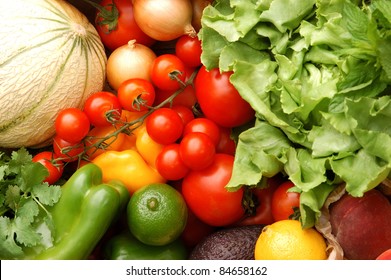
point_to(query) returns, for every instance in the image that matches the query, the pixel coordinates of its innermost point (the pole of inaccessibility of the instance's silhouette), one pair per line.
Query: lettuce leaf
(318, 74)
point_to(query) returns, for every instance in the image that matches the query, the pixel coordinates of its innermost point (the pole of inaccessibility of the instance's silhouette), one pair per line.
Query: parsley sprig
(24, 202)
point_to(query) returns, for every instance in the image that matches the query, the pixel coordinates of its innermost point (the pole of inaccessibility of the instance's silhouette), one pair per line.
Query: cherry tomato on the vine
(206, 126)
(206, 194)
(65, 150)
(186, 97)
(189, 50)
(136, 94)
(168, 72)
(117, 32)
(219, 100)
(169, 163)
(284, 202)
(102, 108)
(55, 168)
(72, 125)
(164, 126)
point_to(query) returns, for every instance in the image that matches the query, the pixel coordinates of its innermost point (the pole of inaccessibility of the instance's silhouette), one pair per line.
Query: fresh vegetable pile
(219, 119)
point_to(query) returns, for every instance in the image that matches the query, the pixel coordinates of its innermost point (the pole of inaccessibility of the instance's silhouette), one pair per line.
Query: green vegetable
(318, 74)
(124, 246)
(86, 210)
(24, 203)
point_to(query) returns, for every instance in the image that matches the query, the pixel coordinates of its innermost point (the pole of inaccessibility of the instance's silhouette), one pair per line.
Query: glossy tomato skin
(206, 126)
(207, 197)
(65, 150)
(227, 144)
(126, 29)
(169, 163)
(164, 67)
(284, 201)
(72, 125)
(189, 50)
(55, 170)
(136, 94)
(219, 100)
(263, 199)
(164, 126)
(99, 104)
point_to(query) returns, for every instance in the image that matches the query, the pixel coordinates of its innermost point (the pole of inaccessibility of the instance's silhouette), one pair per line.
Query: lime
(157, 214)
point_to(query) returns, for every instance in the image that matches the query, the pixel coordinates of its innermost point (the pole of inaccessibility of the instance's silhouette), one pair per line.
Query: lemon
(157, 214)
(286, 240)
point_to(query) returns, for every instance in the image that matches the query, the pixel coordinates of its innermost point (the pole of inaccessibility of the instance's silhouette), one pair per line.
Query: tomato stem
(107, 15)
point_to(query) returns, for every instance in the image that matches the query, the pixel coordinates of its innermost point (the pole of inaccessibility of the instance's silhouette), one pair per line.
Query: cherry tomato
(55, 168)
(72, 125)
(168, 72)
(136, 94)
(122, 31)
(284, 201)
(68, 152)
(186, 97)
(226, 145)
(262, 199)
(206, 194)
(164, 126)
(169, 163)
(188, 49)
(102, 108)
(206, 126)
(219, 100)
(197, 150)
(184, 112)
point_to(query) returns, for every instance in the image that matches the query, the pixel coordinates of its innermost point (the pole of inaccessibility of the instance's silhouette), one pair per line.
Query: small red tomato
(184, 112)
(102, 108)
(206, 126)
(189, 50)
(54, 168)
(136, 94)
(197, 150)
(72, 125)
(164, 126)
(168, 72)
(67, 151)
(169, 163)
(227, 144)
(284, 202)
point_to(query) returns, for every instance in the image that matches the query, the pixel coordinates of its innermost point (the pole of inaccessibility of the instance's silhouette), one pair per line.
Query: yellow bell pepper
(129, 167)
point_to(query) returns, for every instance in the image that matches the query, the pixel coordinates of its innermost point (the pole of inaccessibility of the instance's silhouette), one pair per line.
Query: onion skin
(164, 20)
(198, 8)
(132, 60)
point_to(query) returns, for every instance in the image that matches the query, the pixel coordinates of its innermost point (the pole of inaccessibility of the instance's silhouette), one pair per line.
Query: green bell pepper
(85, 211)
(124, 246)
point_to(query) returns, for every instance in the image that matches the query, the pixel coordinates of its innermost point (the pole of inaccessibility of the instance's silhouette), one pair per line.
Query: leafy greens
(25, 222)
(318, 74)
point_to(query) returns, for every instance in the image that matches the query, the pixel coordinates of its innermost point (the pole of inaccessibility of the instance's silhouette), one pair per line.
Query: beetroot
(362, 225)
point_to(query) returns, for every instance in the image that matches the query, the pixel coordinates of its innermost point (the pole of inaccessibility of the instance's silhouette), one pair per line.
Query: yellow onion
(164, 20)
(129, 61)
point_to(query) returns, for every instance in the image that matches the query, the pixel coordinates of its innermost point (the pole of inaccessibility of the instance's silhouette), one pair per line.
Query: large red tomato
(206, 194)
(219, 100)
(117, 32)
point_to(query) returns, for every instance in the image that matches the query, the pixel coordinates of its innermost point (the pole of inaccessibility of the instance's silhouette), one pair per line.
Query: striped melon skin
(51, 58)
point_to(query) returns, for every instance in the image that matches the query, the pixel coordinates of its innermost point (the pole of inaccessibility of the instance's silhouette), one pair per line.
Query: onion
(164, 20)
(198, 8)
(132, 60)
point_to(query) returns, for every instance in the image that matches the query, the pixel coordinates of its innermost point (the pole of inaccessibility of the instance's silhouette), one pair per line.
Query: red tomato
(207, 197)
(164, 126)
(184, 112)
(189, 50)
(168, 72)
(169, 163)
(186, 97)
(72, 125)
(66, 151)
(262, 199)
(284, 201)
(136, 94)
(219, 100)
(55, 169)
(102, 108)
(386, 255)
(206, 126)
(117, 33)
(226, 145)
(197, 150)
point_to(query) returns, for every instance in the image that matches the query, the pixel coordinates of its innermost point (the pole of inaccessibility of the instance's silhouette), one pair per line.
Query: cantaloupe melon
(51, 58)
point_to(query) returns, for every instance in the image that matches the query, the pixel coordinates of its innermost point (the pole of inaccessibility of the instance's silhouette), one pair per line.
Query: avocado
(233, 243)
